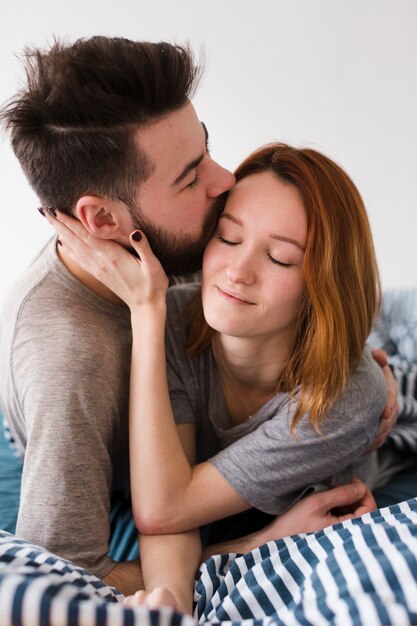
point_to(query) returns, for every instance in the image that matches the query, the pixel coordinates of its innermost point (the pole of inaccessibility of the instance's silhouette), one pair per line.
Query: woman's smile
(233, 297)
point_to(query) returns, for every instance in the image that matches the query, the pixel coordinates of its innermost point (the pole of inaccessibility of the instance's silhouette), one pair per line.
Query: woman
(270, 392)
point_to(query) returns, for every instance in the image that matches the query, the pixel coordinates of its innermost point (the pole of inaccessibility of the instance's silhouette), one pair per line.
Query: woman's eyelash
(276, 262)
(226, 241)
(235, 243)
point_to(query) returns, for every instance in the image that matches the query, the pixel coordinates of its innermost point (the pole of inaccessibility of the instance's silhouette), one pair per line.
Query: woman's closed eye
(227, 242)
(277, 262)
(230, 242)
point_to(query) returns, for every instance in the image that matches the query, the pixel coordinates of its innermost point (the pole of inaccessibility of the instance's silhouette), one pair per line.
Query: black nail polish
(136, 236)
(51, 212)
(41, 211)
(59, 242)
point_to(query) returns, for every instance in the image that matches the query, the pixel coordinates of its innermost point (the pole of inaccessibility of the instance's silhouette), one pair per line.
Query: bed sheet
(361, 572)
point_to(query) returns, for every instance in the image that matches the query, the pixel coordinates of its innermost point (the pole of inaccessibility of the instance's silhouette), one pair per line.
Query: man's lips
(233, 297)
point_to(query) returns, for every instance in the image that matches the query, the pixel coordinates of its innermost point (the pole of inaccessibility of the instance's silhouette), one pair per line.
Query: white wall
(339, 75)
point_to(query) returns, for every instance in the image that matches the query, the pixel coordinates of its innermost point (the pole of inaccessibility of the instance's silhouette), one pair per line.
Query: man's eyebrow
(194, 163)
(239, 222)
(206, 134)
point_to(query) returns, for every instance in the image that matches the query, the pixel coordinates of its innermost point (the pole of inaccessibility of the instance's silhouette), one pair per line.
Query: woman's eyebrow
(294, 242)
(232, 218)
(239, 222)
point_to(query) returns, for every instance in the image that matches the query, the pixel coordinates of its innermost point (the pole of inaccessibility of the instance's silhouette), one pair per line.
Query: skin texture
(249, 264)
(178, 212)
(139, 305)
(177, 207)
(253, 269)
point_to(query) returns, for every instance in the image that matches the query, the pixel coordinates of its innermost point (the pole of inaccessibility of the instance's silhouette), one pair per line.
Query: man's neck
(87, 279)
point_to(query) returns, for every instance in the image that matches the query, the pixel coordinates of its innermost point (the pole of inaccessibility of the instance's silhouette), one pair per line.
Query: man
(105, 131)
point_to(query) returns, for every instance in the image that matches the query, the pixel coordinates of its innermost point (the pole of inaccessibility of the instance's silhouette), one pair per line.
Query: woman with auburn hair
(257, 387)
(342, 290)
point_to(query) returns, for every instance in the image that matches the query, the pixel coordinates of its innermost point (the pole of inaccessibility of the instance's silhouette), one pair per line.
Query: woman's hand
(137, 281)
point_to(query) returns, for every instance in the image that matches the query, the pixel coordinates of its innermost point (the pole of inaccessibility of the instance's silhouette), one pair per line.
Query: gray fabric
(268, 467)
(64, 386)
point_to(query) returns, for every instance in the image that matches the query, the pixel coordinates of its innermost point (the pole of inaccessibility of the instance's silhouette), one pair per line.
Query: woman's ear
(99, 216)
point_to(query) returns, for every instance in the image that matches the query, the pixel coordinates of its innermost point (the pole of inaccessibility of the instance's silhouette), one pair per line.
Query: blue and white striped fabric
(361, 572)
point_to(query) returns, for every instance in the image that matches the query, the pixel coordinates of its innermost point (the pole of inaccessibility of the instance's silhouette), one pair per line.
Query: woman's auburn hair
(342, 287)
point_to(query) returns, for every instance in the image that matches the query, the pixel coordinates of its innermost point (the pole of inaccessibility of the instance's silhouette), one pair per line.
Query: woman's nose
(241, 271)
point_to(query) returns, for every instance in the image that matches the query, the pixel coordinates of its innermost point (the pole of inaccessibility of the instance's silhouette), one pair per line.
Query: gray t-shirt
(64, 389)
(259, 458)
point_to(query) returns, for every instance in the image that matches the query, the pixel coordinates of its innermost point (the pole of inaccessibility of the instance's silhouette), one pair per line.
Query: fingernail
(41, 211)
(51, 211)
(59, 242)
(136, 236)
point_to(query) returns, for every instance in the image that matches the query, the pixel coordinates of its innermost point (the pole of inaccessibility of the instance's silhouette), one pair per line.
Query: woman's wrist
(152, 311)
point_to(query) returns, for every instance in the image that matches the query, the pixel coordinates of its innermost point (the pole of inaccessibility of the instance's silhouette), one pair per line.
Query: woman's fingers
(70, 223)
(136, 281)
(78, 242)
(140, 244)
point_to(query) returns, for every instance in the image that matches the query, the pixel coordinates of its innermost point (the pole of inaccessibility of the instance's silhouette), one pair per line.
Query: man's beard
(179, 255)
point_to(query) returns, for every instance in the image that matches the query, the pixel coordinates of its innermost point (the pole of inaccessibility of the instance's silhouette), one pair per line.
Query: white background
(338, 75)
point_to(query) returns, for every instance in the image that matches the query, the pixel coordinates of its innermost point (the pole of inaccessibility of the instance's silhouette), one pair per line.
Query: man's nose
(221, 180)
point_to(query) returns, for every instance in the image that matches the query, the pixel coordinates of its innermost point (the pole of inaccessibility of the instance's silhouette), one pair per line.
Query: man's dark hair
(72, 127)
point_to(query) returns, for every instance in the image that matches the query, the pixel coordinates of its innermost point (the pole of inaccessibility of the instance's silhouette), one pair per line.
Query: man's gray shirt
(64, 389)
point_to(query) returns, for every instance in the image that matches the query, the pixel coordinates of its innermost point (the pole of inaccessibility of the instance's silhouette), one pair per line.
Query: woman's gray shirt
(260, 458)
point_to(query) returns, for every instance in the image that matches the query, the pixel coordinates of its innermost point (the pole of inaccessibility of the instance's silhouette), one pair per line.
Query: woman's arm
(170, 562)
(169, 495)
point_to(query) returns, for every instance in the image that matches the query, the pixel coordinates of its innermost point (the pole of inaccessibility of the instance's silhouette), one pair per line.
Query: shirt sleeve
(271, 469)
(65, 387)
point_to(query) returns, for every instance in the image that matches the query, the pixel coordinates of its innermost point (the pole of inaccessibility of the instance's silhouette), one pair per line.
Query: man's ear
(99, 216)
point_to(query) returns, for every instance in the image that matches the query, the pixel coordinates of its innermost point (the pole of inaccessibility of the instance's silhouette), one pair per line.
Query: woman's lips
(233, 297)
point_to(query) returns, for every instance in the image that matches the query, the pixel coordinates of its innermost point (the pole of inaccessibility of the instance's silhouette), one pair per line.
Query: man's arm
(126, 577)
(64, 388)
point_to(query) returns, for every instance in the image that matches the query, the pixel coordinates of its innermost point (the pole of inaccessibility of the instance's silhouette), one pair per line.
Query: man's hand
(319, 510)
(390, 412)
(310, 514)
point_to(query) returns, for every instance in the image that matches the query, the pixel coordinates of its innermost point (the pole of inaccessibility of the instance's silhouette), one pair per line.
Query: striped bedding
(360, 572)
